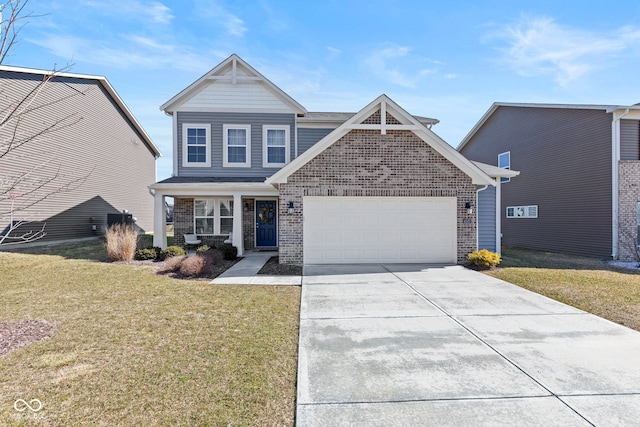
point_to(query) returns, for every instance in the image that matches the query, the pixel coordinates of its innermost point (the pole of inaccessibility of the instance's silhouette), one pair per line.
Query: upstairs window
(275, 143)
(237, 146)
(196, 140)
(504, 161)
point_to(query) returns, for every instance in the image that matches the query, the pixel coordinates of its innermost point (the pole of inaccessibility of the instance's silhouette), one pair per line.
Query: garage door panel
(379, 229)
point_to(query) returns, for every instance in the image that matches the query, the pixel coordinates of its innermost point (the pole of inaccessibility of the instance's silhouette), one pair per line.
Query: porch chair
(229, 239)
(191, 240)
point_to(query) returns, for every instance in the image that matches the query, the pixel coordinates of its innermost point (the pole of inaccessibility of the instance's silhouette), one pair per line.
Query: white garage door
(341, 230)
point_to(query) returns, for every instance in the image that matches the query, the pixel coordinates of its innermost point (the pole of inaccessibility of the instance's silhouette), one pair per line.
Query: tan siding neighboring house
(98, 147)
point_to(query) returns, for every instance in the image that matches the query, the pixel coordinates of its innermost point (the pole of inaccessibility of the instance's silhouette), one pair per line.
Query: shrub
(146, 254)
(230, 252)
(174, 263)
(203, 248)
(194, 266)
(484, 258)
(171, 251)
(122, 241)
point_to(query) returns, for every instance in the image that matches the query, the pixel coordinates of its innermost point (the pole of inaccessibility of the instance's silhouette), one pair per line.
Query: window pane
(204, 208)
(204, 225)
(504, 160)
(226, 225)
(237, 155)
(276, 155)
(276, 137)
(196, 154)
(237, 137)
(226, 208)
(196, 136)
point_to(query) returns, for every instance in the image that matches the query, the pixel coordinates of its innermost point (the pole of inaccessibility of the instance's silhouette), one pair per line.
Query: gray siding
(217, 120)
(629, 140)
(487, 219)
(307, 137)
(564, 156)
(99, 148)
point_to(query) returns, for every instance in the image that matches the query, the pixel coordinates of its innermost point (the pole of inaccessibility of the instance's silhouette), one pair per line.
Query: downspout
(478, 215)
(615, 160)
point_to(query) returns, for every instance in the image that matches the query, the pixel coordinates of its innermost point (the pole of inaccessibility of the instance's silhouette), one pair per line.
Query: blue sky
(448, 60)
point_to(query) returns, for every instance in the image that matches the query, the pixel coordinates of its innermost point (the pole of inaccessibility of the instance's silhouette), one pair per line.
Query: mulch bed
(274, 268)
(15, 335)
(217, 270)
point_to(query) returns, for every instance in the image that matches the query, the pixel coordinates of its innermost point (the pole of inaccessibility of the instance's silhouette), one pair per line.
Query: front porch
(245, 213)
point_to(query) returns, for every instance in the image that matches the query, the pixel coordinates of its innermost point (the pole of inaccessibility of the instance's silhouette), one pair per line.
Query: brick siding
(629, 197)
(366, 163)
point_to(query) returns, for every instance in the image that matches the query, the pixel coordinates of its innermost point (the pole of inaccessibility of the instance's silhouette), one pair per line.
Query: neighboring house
(579, 188)
(89, 157)
(375, 186)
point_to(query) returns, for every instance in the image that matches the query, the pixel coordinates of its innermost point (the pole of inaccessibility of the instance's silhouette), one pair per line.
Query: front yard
(134, 348)
(131, 347)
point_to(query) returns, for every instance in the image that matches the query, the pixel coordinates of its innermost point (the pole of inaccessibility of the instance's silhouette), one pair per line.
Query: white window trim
(225, 147)
(508, 167)
(216, 215)
(185, 158)
(287, 156)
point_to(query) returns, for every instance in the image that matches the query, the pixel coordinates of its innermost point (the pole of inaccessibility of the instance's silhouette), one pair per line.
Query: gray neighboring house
(253, 165)
(579, 188)
(98, 141)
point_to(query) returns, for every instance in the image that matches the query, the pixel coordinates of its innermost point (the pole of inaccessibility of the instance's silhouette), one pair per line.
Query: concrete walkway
(400, 345)
(245, 272)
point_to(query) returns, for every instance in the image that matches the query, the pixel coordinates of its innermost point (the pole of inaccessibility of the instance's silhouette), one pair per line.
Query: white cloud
(540, 46)
(152, 11)
(396, 64)
(139, 52)
(235, 26)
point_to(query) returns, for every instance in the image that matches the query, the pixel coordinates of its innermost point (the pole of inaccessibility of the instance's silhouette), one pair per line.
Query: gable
(233, 86)
(362, 162)
(383, 116)
(226, 96)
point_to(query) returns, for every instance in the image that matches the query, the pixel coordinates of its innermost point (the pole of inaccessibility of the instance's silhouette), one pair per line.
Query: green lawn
(135, 348)
(585, 283)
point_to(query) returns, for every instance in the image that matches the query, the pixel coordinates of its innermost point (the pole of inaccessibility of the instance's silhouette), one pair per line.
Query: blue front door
(266, 223)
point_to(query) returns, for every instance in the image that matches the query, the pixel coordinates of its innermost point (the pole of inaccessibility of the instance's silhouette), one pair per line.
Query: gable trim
(172, 105)
(407, 122)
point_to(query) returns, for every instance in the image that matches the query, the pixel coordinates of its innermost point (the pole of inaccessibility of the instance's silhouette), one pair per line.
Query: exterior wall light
(246, 207)
(291, 208)
(468, 207)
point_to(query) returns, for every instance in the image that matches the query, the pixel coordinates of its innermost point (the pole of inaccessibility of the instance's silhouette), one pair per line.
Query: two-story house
(579, 188)
(253, 165)
(71, 153)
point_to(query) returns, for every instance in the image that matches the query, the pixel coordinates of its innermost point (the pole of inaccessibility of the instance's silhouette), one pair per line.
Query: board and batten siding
(564, 159)
(308, 137)
(99, 147)
(217, 120)
(487, 219)
(629, 139)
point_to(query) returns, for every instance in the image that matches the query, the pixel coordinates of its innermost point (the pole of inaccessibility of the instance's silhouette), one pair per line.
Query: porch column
(238, 232)
(159, 221)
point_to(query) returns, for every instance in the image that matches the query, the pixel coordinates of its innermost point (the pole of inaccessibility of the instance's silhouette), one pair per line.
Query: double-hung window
(275, 146)
(196, 141)
(237, 146)
(504, 161)
(213, 216)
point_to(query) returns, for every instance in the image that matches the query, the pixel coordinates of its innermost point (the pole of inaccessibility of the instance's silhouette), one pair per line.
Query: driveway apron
(400, 345)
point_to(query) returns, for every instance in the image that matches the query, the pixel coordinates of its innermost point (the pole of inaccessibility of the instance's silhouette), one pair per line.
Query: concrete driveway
(410, 345)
